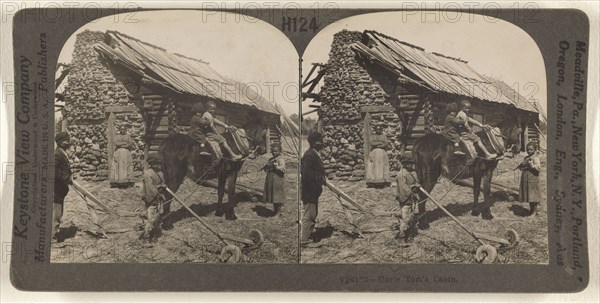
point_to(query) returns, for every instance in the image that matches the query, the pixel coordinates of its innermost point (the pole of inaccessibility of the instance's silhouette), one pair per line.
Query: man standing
(313, 179)
(62, 179)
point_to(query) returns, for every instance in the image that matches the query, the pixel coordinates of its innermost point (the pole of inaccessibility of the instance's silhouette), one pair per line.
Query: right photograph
(424, 142)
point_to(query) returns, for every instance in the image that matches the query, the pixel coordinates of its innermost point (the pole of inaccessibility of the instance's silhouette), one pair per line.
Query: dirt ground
(188, 241)
(444, 241)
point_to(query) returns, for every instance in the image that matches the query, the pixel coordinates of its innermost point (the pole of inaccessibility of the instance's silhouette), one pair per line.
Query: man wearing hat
(406, 194)
(62, 178)
(313, 179)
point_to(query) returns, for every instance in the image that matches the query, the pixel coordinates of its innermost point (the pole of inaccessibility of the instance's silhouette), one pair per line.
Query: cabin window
(480, 118)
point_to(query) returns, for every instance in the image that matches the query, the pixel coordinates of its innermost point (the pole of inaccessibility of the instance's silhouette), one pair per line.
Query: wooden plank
(154, 112)
(312, 70)
(110, 129)
(343, 195)
(491, 238)
(120, 109)
(376, 109)
(367, 139)
(162, 129)
(408, 96)
(155, 103)
(310, 112)
(417, 128)
(494, 186)
(151, 96)
(410, 112)
(156, 136)
(92, 197)
(214, 184)
(309, 95)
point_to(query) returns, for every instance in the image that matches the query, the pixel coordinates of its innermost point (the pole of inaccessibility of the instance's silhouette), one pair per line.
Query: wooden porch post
(367, 139)
(268, 140)
(111, 142)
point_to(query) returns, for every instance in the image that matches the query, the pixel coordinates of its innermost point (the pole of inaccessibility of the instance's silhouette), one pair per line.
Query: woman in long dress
(274, 191)
(378, 168)
(122, 168)
(529, 189)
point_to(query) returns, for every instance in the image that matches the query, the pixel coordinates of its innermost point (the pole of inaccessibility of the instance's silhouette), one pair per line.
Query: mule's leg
(231, 198)
(174, 173)
(475, 211)
(428, 176)
(428, 184)
(221, 190)
(486, 214)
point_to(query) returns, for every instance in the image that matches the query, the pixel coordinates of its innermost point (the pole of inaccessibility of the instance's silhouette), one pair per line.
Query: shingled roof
(177, 72)
(435, 71)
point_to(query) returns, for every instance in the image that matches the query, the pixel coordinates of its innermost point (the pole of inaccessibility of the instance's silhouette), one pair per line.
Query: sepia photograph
(293, 148)
(424, 142)
(175, 142)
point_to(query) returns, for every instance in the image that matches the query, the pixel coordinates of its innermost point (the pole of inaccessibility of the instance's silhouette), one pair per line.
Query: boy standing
(153, 200)
(406, 188)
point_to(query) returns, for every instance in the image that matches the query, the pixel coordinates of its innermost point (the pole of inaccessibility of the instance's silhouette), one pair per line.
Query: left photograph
(176, 141)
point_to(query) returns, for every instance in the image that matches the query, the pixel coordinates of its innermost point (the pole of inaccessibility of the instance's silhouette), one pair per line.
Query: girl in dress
(274, 192)
(529, 189)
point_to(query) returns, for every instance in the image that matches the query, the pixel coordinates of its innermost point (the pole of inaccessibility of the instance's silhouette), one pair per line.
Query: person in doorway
(466, 132)
(378, 167)
(274, 190)
(529, 188)
(313, 179)
(62, 179)
(407, 188)
(122, 167)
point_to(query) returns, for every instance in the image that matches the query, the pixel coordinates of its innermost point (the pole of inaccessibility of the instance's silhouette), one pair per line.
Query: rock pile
(93, 84)
(348, 86)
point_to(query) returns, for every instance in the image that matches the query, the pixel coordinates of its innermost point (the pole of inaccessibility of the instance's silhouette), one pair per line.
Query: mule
(434, 157)
(180, 158)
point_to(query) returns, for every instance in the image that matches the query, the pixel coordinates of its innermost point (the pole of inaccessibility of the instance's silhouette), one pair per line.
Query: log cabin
(376, 82)
(120, 83)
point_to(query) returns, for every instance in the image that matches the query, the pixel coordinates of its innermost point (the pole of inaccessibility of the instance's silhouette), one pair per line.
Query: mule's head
(256, 136)
(497, 140)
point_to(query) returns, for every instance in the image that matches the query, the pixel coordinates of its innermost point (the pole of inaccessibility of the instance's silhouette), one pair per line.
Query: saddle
(494, 136)
(491, 138)
(208, 148)
(463, 149)
(211, 148)
(236, 140)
